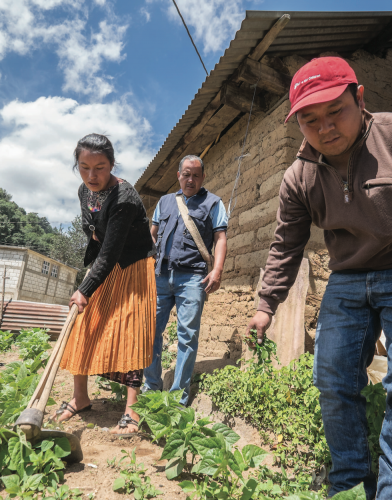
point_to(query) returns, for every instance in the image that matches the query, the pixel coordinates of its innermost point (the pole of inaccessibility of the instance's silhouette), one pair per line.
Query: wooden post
(3, 294)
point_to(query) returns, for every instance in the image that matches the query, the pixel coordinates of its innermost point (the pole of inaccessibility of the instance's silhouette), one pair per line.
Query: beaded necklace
(95, 199)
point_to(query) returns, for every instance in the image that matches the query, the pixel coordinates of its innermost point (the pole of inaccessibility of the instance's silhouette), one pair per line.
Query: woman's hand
(80, 300)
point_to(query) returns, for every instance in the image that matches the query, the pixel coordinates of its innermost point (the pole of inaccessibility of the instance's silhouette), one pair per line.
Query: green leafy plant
(133, 479)
(265, 352)
(119, 391)
(284, 402)
(172, 332)
(33, 343)
(168, 357)
(27, 469)
(6, 341)
(161, 411)
(375, 410)
(356, 493)
(275, 484)
(62, 492)
(17, 384)
(224, 467)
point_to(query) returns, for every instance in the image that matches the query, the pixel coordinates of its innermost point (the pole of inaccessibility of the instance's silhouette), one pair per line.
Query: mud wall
(272, 147)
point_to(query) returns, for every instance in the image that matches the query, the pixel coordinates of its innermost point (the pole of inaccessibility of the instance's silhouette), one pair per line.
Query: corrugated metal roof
(20, 314)
(306, 34)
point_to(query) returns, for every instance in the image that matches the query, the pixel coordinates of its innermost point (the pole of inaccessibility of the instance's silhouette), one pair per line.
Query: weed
(119, 391)
(172, 332)
(133, 479)
(168, 357)
(375, 410)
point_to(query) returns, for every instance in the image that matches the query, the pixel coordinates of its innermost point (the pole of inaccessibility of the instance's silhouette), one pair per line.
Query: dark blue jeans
(355, 307)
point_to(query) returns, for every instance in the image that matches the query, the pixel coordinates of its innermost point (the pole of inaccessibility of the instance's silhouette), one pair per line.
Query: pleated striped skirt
(114, 335)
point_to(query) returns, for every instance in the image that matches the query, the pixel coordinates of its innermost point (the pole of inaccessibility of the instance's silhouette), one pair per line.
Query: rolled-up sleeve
(156, 215)
(219, 217)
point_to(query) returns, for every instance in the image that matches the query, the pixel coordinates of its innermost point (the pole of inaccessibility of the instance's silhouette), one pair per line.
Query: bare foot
(130, 428)
(67, 414)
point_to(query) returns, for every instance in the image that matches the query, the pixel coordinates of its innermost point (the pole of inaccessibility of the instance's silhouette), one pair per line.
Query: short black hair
(353, 88)
(95, 143)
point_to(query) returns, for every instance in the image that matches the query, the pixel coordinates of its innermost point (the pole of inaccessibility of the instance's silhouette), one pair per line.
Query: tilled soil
(94, 474)
(99, 445)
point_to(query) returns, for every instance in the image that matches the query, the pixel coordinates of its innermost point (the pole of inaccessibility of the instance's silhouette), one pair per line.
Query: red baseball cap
(320, 80)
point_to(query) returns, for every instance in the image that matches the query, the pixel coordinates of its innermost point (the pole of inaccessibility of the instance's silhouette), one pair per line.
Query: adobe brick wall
(272, 146)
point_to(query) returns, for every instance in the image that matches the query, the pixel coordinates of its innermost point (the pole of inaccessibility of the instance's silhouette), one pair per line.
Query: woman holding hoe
(114, 333)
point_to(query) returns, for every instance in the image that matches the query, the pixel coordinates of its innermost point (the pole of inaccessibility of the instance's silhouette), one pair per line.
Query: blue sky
(121, 67)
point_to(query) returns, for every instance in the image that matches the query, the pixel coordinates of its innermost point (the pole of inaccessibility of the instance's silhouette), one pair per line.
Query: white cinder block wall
(35, 277)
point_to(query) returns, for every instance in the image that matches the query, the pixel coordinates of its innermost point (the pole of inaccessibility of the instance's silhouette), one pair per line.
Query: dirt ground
(93, 474)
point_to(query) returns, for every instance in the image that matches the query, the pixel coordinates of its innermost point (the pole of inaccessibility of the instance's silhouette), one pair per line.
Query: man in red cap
(341, 181)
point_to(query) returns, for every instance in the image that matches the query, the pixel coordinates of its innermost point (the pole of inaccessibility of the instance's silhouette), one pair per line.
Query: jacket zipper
(344, 184)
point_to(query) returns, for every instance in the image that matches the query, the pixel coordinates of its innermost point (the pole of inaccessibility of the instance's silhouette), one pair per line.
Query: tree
(23, 229)
(69, 247)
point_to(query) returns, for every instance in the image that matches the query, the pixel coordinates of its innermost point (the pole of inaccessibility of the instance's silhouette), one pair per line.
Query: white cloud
(213, 22)
(24, 27)
(144, 12)
(36, 166)
(81, 58)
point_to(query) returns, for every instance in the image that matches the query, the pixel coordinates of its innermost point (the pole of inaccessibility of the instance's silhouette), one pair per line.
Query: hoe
(30, 420)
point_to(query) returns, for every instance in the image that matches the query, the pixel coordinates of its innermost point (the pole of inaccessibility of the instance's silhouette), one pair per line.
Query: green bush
(284, 402)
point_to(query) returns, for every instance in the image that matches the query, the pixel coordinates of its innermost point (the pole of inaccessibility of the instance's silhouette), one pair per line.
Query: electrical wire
(235, 187)
(190, 36)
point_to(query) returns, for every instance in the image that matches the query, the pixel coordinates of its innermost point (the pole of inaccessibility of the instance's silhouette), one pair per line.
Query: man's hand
(80, 300)
(214, 281)
(260, 322)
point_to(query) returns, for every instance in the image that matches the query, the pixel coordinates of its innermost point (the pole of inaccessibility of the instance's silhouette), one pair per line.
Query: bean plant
(27, 470)
(6, 341)
(33, 342)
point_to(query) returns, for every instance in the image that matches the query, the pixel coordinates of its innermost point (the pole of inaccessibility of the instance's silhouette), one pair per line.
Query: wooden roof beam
(264, 76)
(269, 38)
(240, 98)
(151, 192)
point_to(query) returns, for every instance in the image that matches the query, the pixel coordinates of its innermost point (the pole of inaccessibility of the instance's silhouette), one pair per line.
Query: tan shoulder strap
(191, 226)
